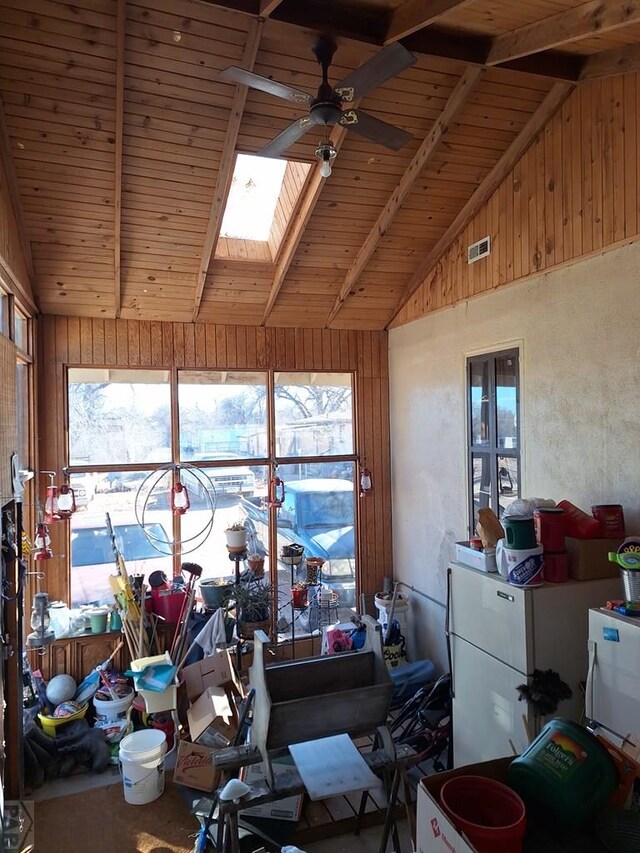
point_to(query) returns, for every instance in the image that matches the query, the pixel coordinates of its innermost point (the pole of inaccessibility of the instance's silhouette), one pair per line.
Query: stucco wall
(578, 330)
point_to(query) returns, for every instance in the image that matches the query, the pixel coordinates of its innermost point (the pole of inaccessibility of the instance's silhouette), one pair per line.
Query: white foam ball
(61, 688)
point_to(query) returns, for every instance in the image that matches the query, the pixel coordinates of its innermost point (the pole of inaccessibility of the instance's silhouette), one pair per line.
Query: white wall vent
(478, 250)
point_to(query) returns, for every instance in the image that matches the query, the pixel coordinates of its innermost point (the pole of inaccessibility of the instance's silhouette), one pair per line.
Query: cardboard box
(213, 718)
(289, 808)
(589, 558)
(214, 671)
(194, 767)
(436, 834)
(434, 831)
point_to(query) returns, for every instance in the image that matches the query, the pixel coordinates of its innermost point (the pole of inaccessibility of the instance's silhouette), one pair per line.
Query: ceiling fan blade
(391, 60)
(242, 77)
(375, 129)
(289, 135)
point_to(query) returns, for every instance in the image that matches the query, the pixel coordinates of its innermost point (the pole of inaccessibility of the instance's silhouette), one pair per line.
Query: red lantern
(42, 543)
(180, 502)
(60, 501)
(66, 501)
(366, 483)
(51, 512)
(276, 492)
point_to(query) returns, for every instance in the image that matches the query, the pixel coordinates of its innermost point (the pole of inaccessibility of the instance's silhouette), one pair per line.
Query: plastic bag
(524, 507)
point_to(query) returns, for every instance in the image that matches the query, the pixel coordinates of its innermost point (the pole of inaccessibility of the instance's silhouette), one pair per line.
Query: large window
(119, 417)
(230, 433)
(493, 432)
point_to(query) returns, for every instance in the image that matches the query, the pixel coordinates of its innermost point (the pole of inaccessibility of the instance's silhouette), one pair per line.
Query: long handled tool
(180, 636)
(132, 615)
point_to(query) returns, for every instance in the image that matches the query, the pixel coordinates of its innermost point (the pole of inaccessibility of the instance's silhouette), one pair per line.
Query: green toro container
(565, 773)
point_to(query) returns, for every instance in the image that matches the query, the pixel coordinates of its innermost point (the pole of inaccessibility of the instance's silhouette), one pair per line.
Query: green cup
(98, 621)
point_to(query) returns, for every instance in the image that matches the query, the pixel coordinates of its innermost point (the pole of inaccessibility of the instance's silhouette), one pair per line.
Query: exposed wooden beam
(227, 161)
(21, 290)
(267, 7)
(458, 98)
(121, 28)
(370, 26)
(547, 109)
(618, 60)
(590, 19)
(26, 289)
(297, 227)
(413, 15)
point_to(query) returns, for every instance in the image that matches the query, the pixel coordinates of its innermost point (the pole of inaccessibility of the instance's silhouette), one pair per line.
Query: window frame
(271, 461)
(491, 450)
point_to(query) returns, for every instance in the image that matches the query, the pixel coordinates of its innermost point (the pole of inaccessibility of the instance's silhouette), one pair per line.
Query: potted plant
(236, 537)
(253, 608)
(256, 564)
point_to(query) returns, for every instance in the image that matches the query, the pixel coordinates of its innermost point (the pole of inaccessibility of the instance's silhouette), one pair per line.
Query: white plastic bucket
(142, 766)
(111, 710)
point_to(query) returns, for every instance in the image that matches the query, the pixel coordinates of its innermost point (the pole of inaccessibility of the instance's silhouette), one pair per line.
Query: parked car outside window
(228, 480)
(93, 560)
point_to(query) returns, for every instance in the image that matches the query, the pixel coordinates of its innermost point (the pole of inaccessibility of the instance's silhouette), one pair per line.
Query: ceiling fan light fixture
(326, 152)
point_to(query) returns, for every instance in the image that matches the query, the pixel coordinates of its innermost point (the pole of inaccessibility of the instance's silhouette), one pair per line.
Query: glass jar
(60, 617)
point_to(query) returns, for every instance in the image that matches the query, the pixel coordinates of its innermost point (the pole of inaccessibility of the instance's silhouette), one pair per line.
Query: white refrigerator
(498, 635)
(613, 683)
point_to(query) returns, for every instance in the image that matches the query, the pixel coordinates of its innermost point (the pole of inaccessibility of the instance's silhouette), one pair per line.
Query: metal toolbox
(484, 561)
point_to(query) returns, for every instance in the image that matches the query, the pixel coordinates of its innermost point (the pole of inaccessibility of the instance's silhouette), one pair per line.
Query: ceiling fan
(326, 109)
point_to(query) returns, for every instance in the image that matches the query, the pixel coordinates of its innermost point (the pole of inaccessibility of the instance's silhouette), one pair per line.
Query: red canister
(550, 528)
(299, 596)
(611, 520)
(556, 567)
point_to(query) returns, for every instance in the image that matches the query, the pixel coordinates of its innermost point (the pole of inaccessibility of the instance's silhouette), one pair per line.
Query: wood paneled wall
(130, 343)
(8, 417)
(13, 265)
(575, 192)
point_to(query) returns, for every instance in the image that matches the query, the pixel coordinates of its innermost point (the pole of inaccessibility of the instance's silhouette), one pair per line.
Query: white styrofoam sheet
(332, 766)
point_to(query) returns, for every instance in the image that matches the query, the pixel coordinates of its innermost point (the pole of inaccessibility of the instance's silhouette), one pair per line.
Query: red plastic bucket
(490, 814)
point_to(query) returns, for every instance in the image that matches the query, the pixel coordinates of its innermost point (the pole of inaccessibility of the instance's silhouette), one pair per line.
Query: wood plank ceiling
(122, 141)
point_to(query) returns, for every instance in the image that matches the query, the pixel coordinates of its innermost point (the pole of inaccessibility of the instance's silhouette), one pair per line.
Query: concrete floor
(367, 842)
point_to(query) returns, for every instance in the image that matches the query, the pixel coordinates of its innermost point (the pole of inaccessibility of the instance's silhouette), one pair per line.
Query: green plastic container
(566, 773)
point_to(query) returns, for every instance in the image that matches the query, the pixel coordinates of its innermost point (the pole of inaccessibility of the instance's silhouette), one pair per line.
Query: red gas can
(577, 523)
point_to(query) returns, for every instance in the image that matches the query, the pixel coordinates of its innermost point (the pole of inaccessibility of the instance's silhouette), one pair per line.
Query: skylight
(253, 197)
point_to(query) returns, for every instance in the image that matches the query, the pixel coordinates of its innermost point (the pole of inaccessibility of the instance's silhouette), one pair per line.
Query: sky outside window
(252, 199)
